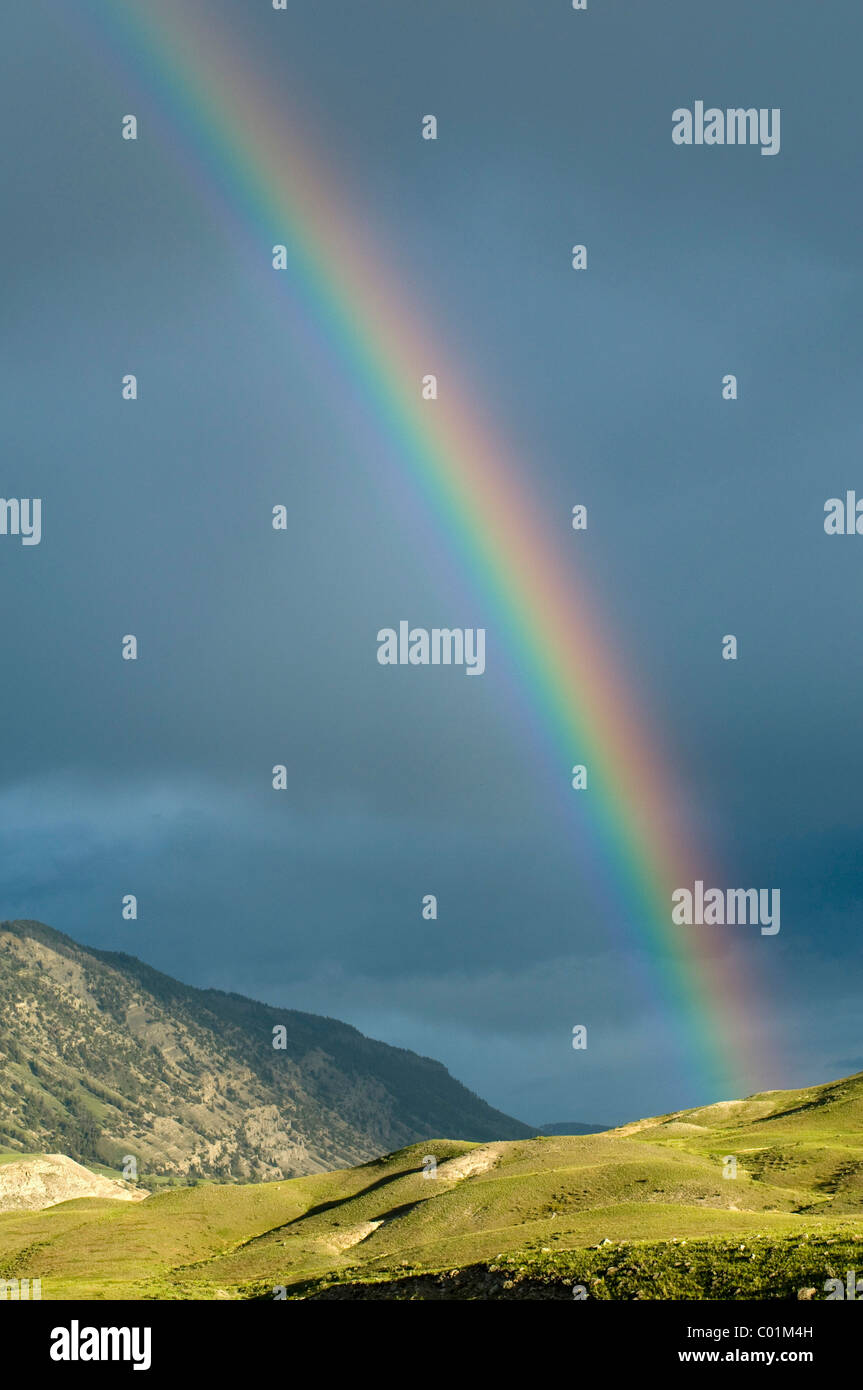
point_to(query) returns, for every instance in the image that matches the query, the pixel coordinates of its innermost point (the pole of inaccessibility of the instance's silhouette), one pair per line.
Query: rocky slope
(43, 1180)
(106, 1059)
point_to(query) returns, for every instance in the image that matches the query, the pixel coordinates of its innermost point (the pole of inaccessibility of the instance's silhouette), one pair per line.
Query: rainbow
(242, 147)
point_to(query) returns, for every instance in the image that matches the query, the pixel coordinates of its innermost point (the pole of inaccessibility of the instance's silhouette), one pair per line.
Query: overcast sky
(257, 647)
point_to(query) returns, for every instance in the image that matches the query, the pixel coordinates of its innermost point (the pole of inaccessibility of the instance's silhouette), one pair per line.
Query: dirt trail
(352, 1235)
(469, 1164)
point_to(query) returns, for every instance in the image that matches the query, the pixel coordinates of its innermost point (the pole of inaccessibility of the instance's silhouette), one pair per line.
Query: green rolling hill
(643, 1211)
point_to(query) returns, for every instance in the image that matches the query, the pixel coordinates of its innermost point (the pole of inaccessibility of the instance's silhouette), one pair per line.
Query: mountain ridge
(105, 1058)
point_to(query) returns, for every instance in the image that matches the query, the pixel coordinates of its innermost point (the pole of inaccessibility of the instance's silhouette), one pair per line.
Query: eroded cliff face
(29, 1184)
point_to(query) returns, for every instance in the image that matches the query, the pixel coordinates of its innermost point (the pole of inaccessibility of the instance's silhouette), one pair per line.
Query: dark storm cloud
(258, 648)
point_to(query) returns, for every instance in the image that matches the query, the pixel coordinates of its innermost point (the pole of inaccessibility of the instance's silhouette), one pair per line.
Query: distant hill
(571, 1127)
(102, 1058)
(649, 1211)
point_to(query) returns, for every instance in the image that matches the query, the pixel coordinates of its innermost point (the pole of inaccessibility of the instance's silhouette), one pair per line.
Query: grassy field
(640, 1212)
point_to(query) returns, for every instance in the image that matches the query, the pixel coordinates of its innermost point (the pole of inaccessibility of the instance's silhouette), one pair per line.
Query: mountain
(650, 1211)
(108, 1060)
